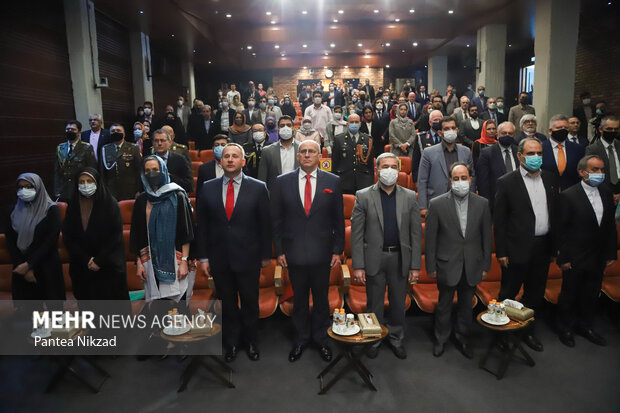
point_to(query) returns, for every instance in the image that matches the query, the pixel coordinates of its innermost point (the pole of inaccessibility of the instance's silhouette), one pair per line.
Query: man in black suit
(280, 157)
(178, 169)
(470, 129)
(212, 169)
(254, 150)
(585, 112)
(333, 97)
(574, 126)
(422, 97)
(149, 115)
(250, 111)
(608, 149)
(308, 232)
(224, 116)
(305, 98)
(528, 125)
(251, 93)
(587, 244)
(414, 109)
(525, 228)
(423, 122)
(491, 112)
(369, 89)
(495, 161)
(424, 140)
(560, 157)
(96, 135)
(234, 238)
(202, 129)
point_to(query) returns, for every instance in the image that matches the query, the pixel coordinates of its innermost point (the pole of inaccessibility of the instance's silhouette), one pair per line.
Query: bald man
(352, 157)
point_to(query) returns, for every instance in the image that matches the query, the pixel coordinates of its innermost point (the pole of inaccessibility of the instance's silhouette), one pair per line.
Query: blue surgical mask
(137, 133)
(271, 101)
(595, 179)
(262, 105)
(354, 128)
(533, 162)
(217, 151)
(224, 105)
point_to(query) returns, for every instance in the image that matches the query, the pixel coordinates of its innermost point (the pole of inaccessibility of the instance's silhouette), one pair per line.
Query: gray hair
(504, 124)
(583, 162)
(96, 115)
(162, 132)
(313, 142)
(236, 145)
(523, 141)
(556, 118)
(383, 156)
(526, 117)
(607, 118)
(455, 164)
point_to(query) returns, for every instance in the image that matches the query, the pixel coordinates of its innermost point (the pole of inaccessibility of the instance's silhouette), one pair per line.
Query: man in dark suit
(608, 149)
(480, 100)
(212, 169)
(333, 97)
(458, 253)
(234, 238)
(584, 112)
(470, 129)
(305, 98)
(149, 115)
(496, 161)
(424, 140)
(352, 157)
(224, 116)
(251, 93)
(423, 122)
(525, 230)
(250, 111)
(414, 109)
(491, 112)
(202, 129)
(574, 126)
(587, 244)
(96, 135)
(560, 157)
(308, 232)
(527, 125)
(254, 150)
(281, 157)
(422, 97)
(369, 89)
(178, 169)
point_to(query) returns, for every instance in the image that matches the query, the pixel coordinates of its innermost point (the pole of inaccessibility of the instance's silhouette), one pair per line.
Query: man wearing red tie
(233, 242)
(308, 229)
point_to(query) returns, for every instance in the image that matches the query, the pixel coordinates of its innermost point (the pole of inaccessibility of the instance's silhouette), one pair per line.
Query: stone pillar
(555, 44)
(83, 58)
(140, 51)
(187, 78)
(437, 73)
(491, 56)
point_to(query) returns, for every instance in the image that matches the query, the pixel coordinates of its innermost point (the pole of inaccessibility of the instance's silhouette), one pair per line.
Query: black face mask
(559, 135)
(70, 135)
(436, 126)
(610, 136)
(523, 101)
(153, 178)
(506, 140)
(116, 136)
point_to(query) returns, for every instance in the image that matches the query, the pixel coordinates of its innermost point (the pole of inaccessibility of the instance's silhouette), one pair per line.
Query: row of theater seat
(274, 284)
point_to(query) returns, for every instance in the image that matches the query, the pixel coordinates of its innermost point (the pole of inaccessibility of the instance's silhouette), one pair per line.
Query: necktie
(507, 160)
(613, 168)
(494, 116)
(308, 195)
(230, 199)
(70, 150)
(561, 160)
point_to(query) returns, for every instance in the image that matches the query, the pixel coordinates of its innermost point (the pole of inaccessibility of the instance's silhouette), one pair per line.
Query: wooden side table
(511, 333)
(347, 344)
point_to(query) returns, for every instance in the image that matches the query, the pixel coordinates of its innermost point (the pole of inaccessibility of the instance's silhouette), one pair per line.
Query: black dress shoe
(592, 336)
(252, 352)
(567, 338)
(231, 354)
(533, 343)
(295, 353)
(326, 353)
(372, 352)
(463, 347)
(438, 349)
(399, 351)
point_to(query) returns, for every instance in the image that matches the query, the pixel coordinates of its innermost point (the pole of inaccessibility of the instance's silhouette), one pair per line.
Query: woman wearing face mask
(236, 104)
(93, 234)
(239, 132)
(488, 137)
(272, 129)
(334, 128)
(402, 132)
(138, 135)
(32, 242)
(307, 132)
(288, 108)
(350, 111)
(147, 143)
(140, 114)
(162, 228)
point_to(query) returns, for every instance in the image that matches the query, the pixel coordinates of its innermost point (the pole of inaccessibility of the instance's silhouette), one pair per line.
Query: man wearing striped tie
(560, 156)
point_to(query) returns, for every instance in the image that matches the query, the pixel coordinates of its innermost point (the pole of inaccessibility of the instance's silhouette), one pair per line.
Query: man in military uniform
(424, 140)
(352, 157)
(120, 165)
(177, 148)
(71, 156)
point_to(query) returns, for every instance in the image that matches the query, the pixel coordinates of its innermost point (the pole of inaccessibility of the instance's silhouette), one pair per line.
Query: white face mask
(306, 126)
(251, 104)
(586, 102)
(26, 194)
(87, 190)
(449, 136)
(492, 106)
(500, 104)
(338, 116)
(379, 106)
(180, 102)
(460, 188)
(317, 100)
(286, 133)
(388, 176)
(258, 136)
(147, 129)
(147, 111)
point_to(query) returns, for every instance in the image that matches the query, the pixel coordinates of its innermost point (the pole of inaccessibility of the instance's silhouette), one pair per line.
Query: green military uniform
(120, 167)
(67, 164)
(179, 149)
(354, 174)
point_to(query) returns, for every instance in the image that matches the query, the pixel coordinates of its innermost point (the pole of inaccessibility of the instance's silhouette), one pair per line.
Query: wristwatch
(183, 258)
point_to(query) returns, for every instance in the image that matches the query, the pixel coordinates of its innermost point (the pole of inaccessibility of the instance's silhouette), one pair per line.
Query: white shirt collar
(607, 144)
(302, 174)
(590, 190)
(555, 144)
(237, 178)
(526, 173)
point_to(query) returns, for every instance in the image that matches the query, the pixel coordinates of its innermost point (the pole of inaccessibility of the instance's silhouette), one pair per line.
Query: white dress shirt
(225, 122)
(573, 138)
(595, 200)
(369, 126)
(236, 186)
(554, 145)
(474, 123)
(287, 157)
(321, 116)
(219, 171)
(94, 140)
(538, 199)
(302, 184)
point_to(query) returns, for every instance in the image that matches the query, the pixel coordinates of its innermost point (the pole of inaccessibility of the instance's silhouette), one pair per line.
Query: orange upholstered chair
(405, 164)
(62, 206)
(348, 201)
(126, 207)
(403, 179)
(488, 289)
(206, 155)
(387, 148)
(193, 155)
(195, 166)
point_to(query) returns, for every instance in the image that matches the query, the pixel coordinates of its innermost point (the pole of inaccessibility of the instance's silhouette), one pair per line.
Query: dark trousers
(390, 275)
(577, 302)
(443, 311)
(306, 278)
(238, 324)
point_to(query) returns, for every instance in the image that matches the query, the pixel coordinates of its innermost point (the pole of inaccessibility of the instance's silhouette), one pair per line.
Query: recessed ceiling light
(387, 66)
(282, 54)
(333, 27)
(194, 50)
(304, 45)
(346, 67)
(367, 66)
(273, 22)
(326, 54)
(228, 16)
(425, 66)
(375, 11)
(391, 26)
(396, 20)
(172, 35)
(325, 57)
(268, 13)
(340, 11)
(209, 62)
(450, 11)
(332, 45)
(304, 12)
(366, 56)
(254, 54)
(141, 11)
(305, 67)
(467, 45)
(411, 11)
(275, 28)
(335, 20)
(277, 46)
(324, 67)
(387, 44)
(359, 45)
(403, 51)
(415, 44)
(249, 47)
(509, 45)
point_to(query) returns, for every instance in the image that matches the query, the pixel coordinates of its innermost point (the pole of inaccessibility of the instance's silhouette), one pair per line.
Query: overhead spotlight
(375, 11)
(387, 66)
(340, 11)
(282, 54)
(194, 51)
(305, 67)
(209, 62)
(403, 51)
(415, 44)
(268, 13)
(411, 11)
(304, 46)
(346, 67)
(254, 54)
(366, 66)
(387, 44)
(332, 45)
(304, 12)
(141, 11)
(273, 22)
(228, 16)
(450, 11)
(396, 20)
(249, 47)
(324, 67)
(335, 20)
(467, 45)
(277, 46)
(172, 35)
(359, 45)
(326, 54)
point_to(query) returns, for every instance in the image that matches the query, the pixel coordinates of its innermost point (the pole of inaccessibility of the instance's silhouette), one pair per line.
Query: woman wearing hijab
(32, 242)
(488, 137)
(402, 132)
(239, 132)
(272, 129)
(334, 128)
(236, 104)
(307, 132)
(93, 234)
(162, 228)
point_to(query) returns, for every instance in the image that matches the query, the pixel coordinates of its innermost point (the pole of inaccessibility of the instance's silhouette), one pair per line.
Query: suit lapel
(278, 159)
(586, 200)
(470, 214)
(221, 206)
(376, 198)
(442, 160)
(451, 205)
(318, 192)
(295, 190)
(296, 146)
(523, 189)
(240, 197)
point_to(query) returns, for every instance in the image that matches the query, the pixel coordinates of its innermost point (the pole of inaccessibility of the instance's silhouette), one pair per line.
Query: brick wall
(285, 80)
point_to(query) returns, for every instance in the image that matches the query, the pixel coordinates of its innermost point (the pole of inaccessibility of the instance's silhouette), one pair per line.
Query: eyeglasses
(308, 151)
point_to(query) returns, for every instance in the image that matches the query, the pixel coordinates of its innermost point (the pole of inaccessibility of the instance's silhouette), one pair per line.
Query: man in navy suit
(234, 242)
(561, 156)
(212, 169)
(574, 126)
(308, 233)
(96, 135)
(202, 129)
(495, 161)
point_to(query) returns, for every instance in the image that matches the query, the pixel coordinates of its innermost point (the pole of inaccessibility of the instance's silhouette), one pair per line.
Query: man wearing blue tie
(491, 112)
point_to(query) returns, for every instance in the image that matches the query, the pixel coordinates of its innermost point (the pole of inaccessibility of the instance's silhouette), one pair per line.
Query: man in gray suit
(458, 254)
(182, 111)
(461, 112)
(279, 158)
(386, 247)
(433, 175)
